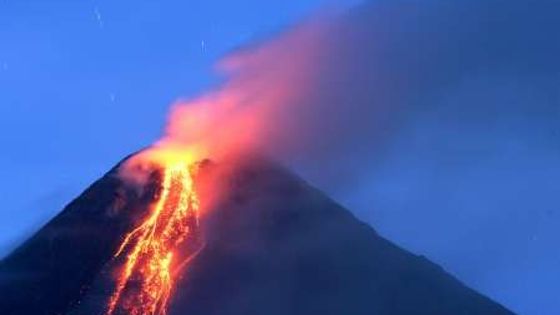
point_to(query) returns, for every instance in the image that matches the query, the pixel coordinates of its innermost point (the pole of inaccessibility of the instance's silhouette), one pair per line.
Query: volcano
(271, 245)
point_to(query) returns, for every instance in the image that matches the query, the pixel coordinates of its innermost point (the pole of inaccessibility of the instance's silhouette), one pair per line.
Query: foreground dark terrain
(274, 246)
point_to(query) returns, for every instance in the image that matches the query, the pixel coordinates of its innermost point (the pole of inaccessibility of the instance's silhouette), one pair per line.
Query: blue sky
(469, 176)
(84, 83)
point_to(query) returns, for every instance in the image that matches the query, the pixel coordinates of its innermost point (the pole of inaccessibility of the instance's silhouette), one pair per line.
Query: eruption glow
(145, 284)
(241, 115)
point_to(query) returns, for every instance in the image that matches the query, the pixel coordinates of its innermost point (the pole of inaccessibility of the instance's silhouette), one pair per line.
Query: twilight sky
(441, 119)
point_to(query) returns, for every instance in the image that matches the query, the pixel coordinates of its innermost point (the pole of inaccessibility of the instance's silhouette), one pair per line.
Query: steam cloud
(337, 87)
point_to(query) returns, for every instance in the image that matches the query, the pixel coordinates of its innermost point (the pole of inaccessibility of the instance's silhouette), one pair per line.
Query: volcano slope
(273, 246)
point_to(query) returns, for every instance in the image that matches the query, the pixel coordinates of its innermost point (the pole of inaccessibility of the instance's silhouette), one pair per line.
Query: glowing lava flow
(144, 286)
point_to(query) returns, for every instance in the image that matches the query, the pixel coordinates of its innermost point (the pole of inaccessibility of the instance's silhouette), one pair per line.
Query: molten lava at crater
(163, 242)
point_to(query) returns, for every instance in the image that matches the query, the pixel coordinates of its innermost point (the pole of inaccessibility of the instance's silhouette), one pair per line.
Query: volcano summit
(267, 244)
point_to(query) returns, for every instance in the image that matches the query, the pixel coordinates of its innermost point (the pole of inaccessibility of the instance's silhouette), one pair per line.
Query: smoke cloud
(336, 87)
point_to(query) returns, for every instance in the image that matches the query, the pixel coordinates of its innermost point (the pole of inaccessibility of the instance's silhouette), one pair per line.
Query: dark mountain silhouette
(273, 246)
(51, 272)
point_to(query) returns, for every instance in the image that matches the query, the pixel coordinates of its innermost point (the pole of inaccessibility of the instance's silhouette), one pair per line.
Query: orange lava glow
(259, 108)
(145, 284)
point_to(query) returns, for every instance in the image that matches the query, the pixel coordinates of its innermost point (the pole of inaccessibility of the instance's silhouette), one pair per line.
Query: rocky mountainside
(273, 245)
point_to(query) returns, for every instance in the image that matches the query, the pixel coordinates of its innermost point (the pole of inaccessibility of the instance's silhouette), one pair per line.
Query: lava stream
(145, 283)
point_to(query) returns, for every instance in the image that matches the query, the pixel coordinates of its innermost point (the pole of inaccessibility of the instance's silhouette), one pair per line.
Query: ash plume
(336, 87)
